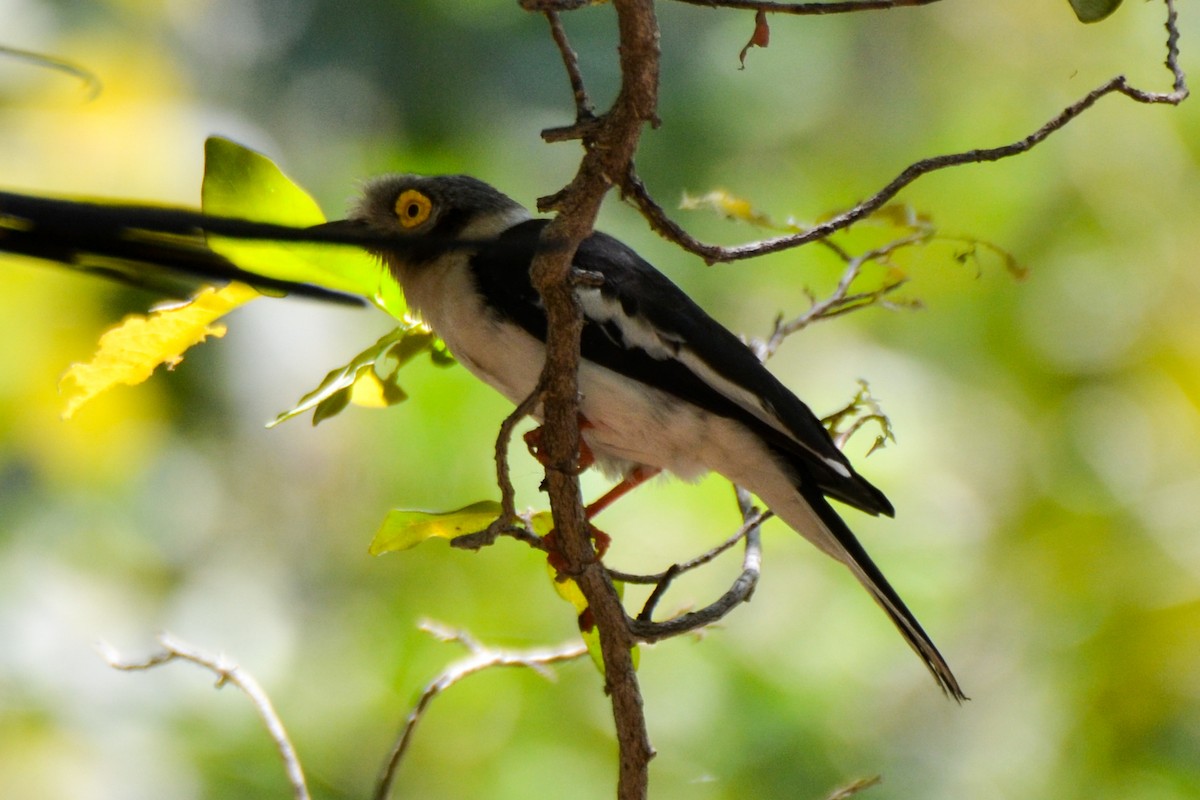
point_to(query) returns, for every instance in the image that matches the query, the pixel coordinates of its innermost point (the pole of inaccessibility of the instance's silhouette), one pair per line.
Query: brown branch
(609, 146)
(635, 191)
(584, 111)
(805, 9)
(226, 672)
(480, 658)
(505, 524)
(609, 143)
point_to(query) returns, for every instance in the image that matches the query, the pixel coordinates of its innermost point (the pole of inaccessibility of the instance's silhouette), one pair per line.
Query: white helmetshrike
(662, 384)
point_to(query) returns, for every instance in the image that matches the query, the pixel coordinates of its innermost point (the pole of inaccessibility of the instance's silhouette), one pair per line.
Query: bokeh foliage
(1047, 469)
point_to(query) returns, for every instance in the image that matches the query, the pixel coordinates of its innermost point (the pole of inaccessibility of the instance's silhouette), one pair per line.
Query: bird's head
(433, 213)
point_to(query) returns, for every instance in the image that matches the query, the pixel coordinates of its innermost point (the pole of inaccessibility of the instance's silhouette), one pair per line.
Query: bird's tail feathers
(811, 515)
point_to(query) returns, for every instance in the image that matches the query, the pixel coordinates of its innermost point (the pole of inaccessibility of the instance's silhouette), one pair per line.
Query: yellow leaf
(403, 529)
(367, 390)
(130, 352)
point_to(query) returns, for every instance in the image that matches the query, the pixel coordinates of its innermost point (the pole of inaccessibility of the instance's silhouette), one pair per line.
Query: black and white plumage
(662, 384)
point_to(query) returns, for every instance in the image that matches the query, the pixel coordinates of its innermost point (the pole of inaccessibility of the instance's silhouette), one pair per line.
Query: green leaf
(359, 382)
(404, 529)
(239, 182)
(1094, 10)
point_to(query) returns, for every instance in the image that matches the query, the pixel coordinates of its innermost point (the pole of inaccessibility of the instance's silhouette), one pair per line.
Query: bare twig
(505, 524)
(807, 9)
(740, 592)
(584, 111)
(841, 301)
(91, 82)
(635, 191)
(699, 561)
(227, 672)
(860, 785)
(480, 658)
(543, 6)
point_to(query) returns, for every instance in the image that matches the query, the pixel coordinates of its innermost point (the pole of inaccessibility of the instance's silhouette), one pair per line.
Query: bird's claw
(584, 459)
(558, 560)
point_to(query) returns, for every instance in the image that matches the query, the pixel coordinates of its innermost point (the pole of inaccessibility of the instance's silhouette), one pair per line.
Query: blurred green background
(1046, 474)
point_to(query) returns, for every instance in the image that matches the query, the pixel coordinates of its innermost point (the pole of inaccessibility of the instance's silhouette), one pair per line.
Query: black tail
(855, 557)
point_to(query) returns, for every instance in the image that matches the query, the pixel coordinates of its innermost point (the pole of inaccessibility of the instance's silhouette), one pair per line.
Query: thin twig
(504, 525)
(227, 672)
(584, 111)
(480, 658)
(634, 190)
(699, 561)
(740, 592)
(91, 82)
(841, 301)
(804, 9)
(860, 785)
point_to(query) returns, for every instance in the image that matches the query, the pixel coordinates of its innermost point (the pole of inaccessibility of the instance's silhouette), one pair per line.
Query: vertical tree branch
(609, 149)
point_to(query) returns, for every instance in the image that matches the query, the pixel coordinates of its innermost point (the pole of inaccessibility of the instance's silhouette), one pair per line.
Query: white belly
(629, 422)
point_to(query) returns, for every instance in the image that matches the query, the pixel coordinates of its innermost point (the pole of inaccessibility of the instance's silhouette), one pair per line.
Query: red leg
(636, 477)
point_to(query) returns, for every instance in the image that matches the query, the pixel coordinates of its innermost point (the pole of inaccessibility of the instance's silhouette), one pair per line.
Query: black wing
(663, 339)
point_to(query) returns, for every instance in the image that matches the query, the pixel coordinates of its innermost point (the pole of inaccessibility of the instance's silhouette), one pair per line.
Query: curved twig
(740, 592)
(634, 190)
(808, 9)
(91, 82)
(480, 658)
(686, 566)
(227, 672)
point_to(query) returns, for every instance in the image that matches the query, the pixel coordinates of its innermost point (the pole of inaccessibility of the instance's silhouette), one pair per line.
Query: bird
(662, 384)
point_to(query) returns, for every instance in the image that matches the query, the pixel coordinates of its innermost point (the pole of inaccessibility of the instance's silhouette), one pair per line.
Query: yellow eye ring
(413, 208)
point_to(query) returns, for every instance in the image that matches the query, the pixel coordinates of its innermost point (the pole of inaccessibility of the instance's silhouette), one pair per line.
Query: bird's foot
(584, 459)
(558, 560)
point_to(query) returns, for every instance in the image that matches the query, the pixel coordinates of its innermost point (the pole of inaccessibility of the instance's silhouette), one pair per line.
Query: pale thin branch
(841, 300)
(860, 785)
(91, 82)
(227, 672)
(635, 191)
(479, 658)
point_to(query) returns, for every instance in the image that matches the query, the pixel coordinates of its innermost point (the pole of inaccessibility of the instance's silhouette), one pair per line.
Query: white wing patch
(640, 333)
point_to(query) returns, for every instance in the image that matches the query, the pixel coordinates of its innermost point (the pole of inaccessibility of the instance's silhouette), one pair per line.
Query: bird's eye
(413, 208)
